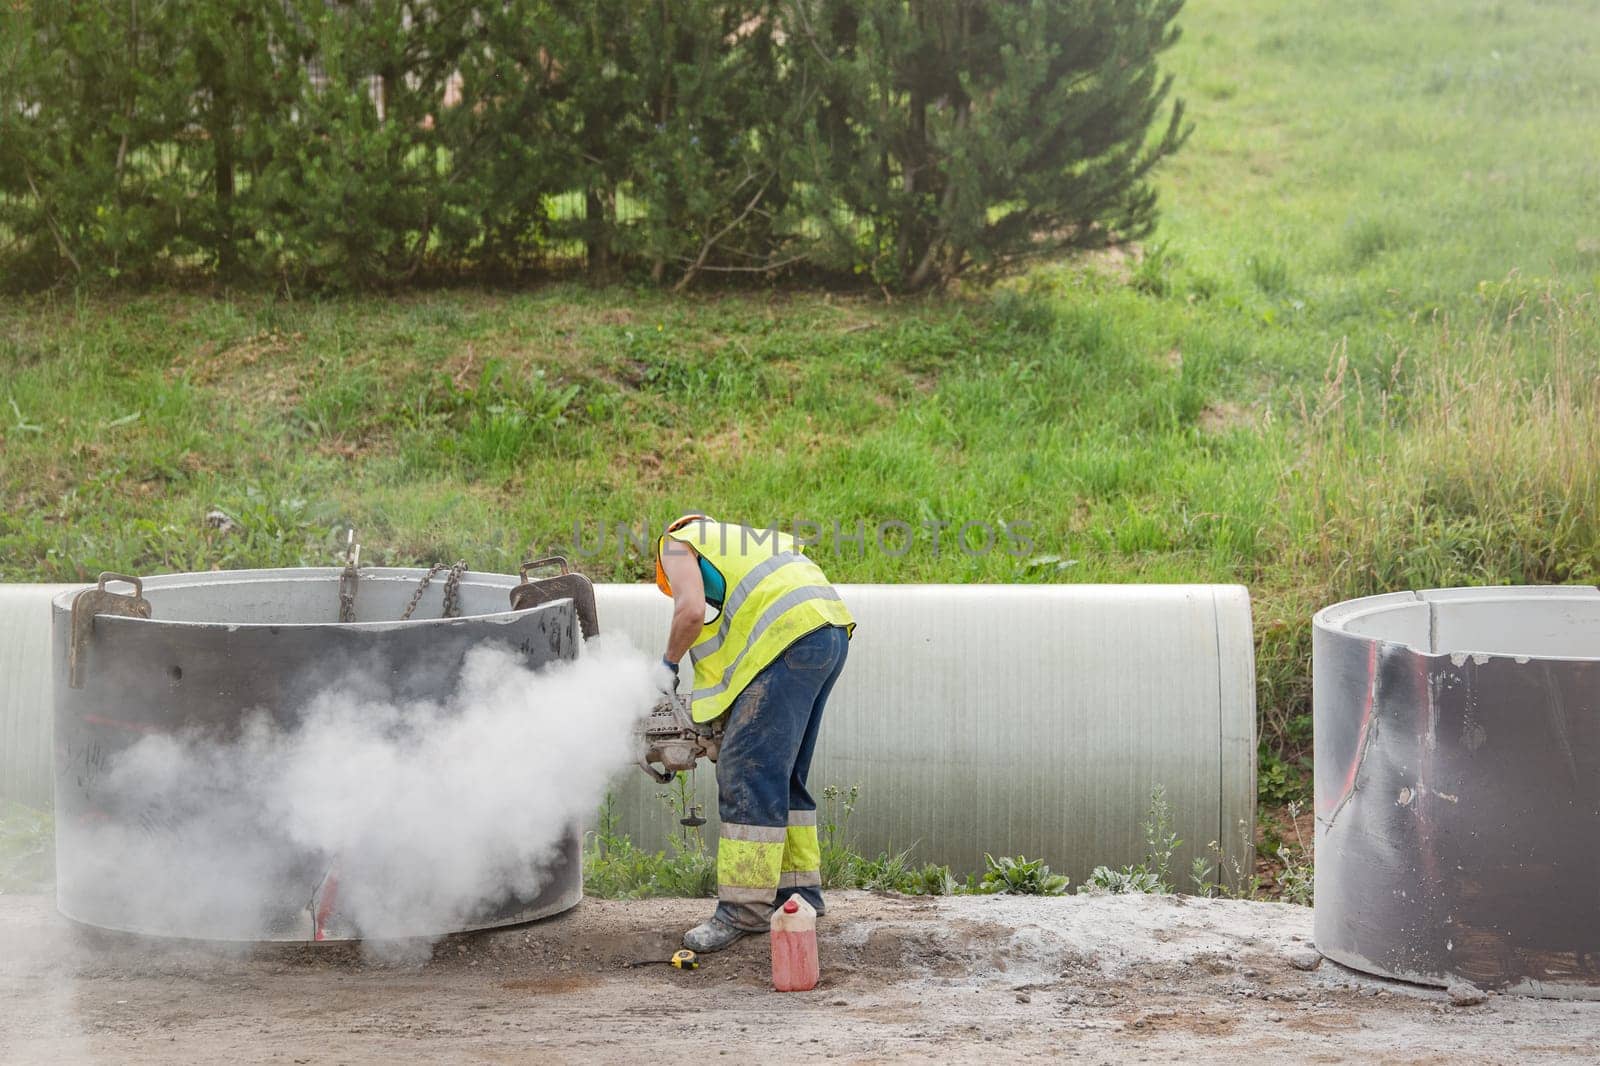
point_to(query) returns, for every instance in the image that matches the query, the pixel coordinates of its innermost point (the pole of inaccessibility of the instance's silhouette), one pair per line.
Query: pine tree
(972, 134)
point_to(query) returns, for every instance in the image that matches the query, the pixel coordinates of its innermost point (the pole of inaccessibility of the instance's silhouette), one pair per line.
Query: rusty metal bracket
(96, 601)
(562, 586)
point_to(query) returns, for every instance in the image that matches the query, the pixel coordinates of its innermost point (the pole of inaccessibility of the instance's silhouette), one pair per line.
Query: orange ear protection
(676, 524)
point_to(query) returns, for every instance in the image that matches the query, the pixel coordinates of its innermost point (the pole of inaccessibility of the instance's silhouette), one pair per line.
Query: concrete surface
(1094, 979)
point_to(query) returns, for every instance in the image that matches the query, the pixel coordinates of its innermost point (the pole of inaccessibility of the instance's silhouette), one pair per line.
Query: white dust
(429, 815)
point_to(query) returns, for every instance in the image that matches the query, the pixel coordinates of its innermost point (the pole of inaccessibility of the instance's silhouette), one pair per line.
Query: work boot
(713, 935)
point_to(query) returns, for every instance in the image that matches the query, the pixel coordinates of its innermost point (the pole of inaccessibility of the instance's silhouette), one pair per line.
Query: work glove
(666, 677)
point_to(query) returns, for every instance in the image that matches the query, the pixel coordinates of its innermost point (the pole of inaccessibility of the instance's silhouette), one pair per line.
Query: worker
(767, 637)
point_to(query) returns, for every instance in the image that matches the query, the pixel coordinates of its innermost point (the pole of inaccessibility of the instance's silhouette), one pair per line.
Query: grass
(1359, 355)
(27, 849)
(615, 868)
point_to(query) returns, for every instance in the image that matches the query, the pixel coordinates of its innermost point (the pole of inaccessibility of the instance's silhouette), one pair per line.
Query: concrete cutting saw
(667, 736)
(672, 739)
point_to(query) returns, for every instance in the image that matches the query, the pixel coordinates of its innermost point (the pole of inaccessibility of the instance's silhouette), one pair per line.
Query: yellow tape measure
(682, 960)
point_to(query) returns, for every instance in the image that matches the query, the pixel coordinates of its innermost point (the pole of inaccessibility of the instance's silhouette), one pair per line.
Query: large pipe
(1011, 719)
(1021, 719)
(1457, 737)
(216, 649)
(26, 765)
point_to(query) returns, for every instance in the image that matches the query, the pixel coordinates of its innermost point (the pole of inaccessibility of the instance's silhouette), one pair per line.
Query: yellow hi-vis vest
(773, 596)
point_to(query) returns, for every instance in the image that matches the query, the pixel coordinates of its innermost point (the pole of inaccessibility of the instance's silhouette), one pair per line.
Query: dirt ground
(1097, 979)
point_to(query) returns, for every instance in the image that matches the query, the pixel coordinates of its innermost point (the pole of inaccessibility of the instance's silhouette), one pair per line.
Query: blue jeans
(762, 769)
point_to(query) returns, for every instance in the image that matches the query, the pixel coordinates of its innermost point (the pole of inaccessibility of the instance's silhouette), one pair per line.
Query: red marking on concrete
(1361, 738)
(327, 897)
(118, 723)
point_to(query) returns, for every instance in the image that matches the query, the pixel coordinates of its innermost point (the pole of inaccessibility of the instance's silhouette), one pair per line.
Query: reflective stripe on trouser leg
(799, 879)
(802, 855)
(749, 865)
(802, 861)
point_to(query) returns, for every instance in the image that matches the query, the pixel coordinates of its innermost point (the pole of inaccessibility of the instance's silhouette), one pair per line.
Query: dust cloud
(366, 817)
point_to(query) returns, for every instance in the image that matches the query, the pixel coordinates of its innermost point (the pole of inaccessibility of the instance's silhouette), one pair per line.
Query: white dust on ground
(1098, 979)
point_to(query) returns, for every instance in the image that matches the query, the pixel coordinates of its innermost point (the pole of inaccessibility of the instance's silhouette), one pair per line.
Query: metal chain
(416, 597)
(452, 589)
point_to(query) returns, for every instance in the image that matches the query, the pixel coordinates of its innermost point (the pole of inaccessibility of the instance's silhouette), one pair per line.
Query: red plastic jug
(794, 946)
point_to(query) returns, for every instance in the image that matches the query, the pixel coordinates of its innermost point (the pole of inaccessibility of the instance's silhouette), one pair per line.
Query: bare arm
(682, 567)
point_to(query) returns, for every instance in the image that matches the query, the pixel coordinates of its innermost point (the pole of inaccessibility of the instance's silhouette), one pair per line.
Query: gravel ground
(1099, 979)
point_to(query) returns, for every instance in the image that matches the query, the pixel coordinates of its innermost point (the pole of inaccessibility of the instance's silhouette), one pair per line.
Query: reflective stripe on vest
(792, 598)
(775, 596)
(737, 597)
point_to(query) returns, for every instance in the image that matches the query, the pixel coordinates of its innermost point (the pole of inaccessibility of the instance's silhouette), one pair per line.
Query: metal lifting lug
(96, 601)
(563, 585)
(559, 561)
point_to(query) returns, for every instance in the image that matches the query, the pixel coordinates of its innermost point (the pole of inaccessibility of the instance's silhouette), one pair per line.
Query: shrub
(1159, 840)
(972, 134)
(339, 145)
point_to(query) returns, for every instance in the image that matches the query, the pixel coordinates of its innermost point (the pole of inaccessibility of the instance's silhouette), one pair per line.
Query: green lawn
(1360, 354)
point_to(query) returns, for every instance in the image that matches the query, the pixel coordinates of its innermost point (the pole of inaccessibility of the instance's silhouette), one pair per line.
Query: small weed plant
(1130, 879)
(889, 871)
(615, 868)
(1297, 881)
(1159, 839)
(1154, 874)
(833, 829)
(1019, 876)
(1218, 874)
